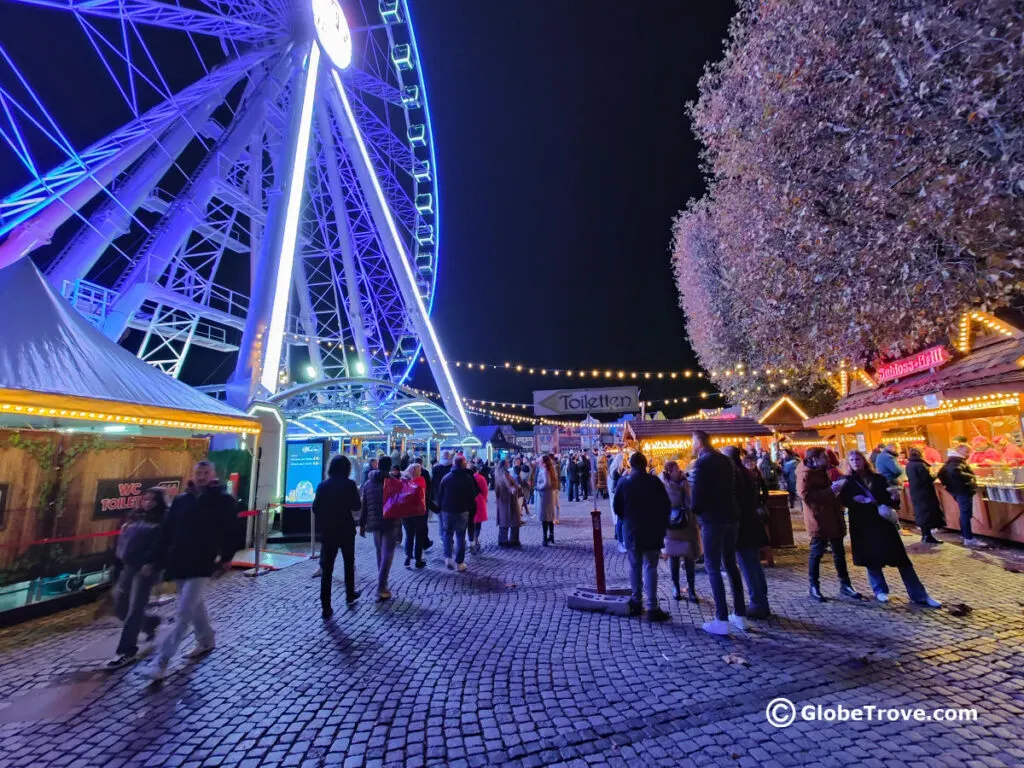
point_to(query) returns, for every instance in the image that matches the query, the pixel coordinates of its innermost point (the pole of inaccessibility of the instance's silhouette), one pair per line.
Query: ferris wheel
(265, 188)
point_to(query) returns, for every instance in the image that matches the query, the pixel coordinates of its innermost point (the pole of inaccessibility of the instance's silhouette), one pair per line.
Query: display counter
(996, 513)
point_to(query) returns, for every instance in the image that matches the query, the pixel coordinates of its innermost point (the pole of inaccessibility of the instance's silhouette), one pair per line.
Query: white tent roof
(47, 347)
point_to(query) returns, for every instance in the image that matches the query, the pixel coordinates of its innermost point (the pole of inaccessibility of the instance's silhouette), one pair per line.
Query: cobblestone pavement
(490, 667)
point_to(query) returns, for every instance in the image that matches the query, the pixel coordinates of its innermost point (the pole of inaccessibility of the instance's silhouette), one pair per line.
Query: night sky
(564, 151)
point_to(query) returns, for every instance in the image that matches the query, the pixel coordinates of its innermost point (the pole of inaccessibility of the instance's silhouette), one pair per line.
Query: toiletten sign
(117, 498)
(932, 357)
(558, 402)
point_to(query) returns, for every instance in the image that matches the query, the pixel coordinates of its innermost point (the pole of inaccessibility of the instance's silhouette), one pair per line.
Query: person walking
(790, 464)
(437, 474)
(617, 472)
(547, 487)
(644, 506)
(480, 515)
(682, 539)
(334, 505)
(751, 536)
(874, 530)
(713, 497)
(602, 476)
(887, 465)
(960, 482)
(387, 534)
(506, 499)
(574, 478)
(585, 475)
(925, 501)
(416, 525)
(823, 518)
(138, 546)
(197, 542)
(458, 505)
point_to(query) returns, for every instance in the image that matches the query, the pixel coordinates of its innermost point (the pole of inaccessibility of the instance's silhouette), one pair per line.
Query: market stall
(969, 390)
(85, 428)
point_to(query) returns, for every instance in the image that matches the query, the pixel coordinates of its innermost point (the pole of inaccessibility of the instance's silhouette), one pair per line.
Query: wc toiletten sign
(558, 402)
(116, 498)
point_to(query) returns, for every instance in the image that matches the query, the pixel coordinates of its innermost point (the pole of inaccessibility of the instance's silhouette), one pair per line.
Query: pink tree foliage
(867, 178)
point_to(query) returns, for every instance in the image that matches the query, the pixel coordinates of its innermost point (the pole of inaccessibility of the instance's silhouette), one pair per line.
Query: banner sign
(304, 470)
(116, 498)
(932, 357)
(558, 402)
(546, 436)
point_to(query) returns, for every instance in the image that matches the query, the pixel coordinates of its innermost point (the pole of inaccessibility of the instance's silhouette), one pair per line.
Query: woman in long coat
(927, 510)
(506, 501)
(682, 538)
(751, 536)
(875, 539)
(547, 487)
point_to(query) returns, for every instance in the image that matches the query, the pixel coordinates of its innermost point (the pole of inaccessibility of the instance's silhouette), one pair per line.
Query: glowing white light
(360, 368)
(403, 257)
(333, 32)
(282, 289)
(311, 371)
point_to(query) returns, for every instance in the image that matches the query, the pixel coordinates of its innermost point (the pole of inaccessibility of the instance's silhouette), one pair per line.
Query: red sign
(932, 357)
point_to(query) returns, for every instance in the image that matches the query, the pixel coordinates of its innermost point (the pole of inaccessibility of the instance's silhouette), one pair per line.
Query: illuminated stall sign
(117, 498)
(932, 357)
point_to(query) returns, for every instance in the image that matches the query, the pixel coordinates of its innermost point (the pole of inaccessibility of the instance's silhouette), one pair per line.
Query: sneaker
(658, 615)
(199, 650)
(449, 563)
(383, 595)
(848, 591)
(353, 597)
(622, 548)
(882, 597)
(754, 612)
(421, 563)
(929, 602)
(155, 671)
(408, 562)
(461, 567)
(121, 660)
(318, 573)
(676, 592)
(716, 627)
(739, 622)
(973, 543)
(929, 539)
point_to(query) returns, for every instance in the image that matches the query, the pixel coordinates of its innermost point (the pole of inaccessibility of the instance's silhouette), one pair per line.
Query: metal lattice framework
(259, 194)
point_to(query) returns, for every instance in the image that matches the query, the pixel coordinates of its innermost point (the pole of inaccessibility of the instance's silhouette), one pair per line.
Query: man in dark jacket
(959, 480)
(437, 474)
(643, 505)
(197, 542)
(574, 477)
(456, 499)
(336, 501)
(714, 502)
(584, 470)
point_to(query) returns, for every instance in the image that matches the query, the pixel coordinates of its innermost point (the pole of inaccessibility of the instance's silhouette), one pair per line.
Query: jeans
(644, 564)
(508, 535)
(415, 536)
(328, 554)
(190, 610)
(385, 542)
(131, 596)
(691, 572)
(915, 589)
(753, 574)
(455, 528)
(473, 531)
(966, 505)
(818, 546)
(442, 523)
(619, 535)
(574, 490)
(720, 552)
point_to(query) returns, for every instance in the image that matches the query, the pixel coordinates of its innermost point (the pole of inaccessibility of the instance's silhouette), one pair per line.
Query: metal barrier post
(259, 543)
(595, 517)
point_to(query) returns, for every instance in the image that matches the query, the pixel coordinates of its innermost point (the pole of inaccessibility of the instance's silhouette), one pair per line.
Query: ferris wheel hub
(332, 31)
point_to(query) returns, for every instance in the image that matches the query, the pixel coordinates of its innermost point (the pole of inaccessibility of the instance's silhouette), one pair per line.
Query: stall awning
(54, 364)
(987, 372)
(739, 426)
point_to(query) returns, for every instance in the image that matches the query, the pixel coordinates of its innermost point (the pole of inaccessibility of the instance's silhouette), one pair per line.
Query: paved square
(490, 668)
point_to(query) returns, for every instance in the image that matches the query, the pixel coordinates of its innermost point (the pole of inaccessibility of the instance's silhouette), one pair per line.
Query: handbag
(678, 518)
(403, 498)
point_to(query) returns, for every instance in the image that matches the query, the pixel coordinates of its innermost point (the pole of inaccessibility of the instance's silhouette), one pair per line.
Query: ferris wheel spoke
(54, 196)
(240, 28)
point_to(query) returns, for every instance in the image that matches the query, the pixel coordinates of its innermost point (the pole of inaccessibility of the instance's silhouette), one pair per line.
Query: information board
(304, 469)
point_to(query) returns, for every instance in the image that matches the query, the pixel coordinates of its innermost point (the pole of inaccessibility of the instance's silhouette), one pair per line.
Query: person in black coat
(714, 497)
(457, 500)
(750, 537)
(874, 537)
(643, 506)
(335, 505)
(197, 541)
(961, 483)
(927, 511)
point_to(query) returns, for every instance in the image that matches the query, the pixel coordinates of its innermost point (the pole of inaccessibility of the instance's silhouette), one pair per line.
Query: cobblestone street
(490, 668)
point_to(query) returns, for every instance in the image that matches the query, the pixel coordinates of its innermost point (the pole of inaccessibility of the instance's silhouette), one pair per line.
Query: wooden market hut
(85, 427)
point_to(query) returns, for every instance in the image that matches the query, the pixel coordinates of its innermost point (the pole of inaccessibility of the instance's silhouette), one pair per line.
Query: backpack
(403, 498)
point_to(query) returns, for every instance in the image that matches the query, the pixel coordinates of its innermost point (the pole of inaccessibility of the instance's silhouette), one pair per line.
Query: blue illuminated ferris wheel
(268, 186)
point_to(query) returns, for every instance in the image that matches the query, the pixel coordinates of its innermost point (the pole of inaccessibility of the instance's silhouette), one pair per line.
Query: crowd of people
(713, 512)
